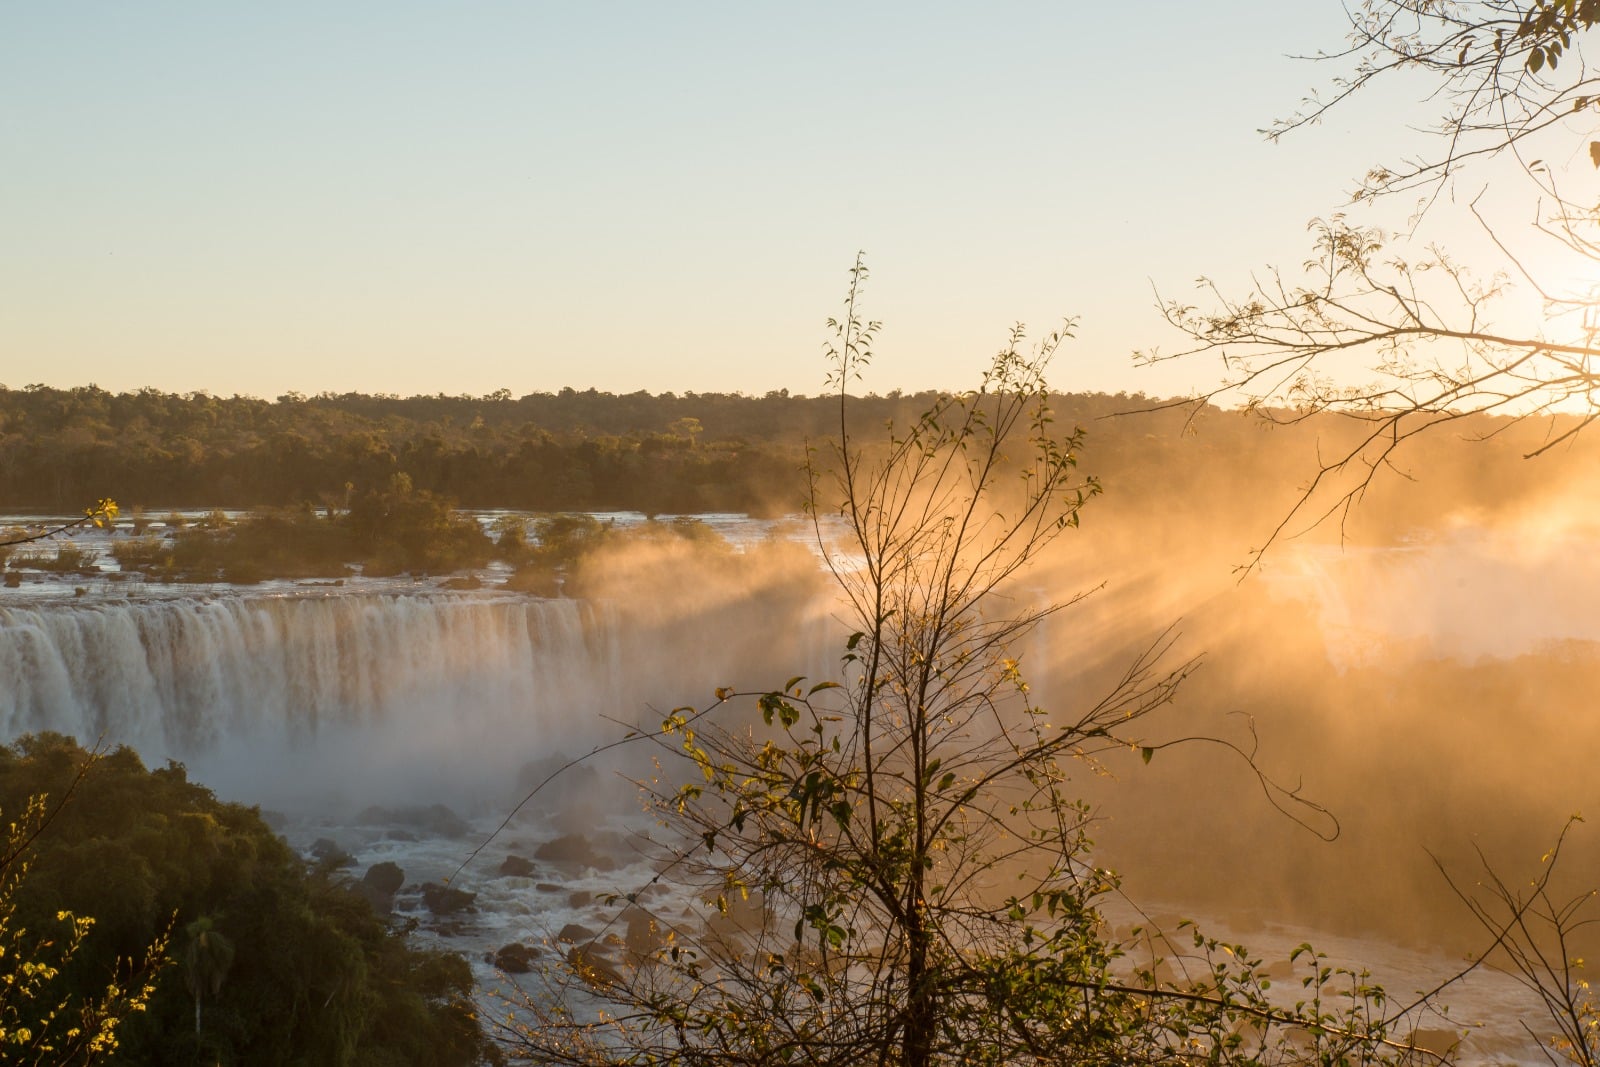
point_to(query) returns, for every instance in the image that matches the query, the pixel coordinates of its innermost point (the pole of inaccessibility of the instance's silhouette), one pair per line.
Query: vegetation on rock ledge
(315, 977)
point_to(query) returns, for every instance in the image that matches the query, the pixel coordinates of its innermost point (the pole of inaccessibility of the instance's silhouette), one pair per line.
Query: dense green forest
(672, 453)
(312, 974)
(550, 452)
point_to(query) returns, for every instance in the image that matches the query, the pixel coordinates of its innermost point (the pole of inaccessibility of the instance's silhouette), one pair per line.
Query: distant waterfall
(271, 683)
(345, 699)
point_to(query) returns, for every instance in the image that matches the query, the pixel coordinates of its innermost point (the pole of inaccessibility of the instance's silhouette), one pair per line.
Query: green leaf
(1146, 752)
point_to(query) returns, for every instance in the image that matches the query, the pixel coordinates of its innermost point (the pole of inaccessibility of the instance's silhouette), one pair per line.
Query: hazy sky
(408, 197)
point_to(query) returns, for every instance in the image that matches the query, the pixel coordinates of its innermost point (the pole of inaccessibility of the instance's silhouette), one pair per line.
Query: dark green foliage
(387, 532)
(547, 452)
(49, 1012)
(402, 528)
(314, 977)
(559, 541)
(63, 558)
(280, 543)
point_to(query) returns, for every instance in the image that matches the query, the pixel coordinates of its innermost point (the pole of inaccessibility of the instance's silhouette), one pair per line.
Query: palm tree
(207, 955)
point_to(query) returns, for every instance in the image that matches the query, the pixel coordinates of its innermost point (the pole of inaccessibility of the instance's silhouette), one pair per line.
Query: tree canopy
(292, 967)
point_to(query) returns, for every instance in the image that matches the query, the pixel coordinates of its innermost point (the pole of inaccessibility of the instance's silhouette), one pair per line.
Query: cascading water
(333, 701)
(354, 712)
(298, 701)
(326, 703)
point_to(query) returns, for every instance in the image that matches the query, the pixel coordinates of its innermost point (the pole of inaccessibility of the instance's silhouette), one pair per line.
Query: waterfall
(335, 701)
(266, 697)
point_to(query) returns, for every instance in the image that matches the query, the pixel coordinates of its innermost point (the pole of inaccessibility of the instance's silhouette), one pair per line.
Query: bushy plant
(67, 558)
(315, 976)
(400, 528)
(279, 543)
(51, 1012)
(511, 538)
(559, 542)
(147, 555)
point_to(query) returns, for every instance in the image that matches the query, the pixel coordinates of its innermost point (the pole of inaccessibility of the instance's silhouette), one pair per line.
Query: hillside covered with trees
(272, 961)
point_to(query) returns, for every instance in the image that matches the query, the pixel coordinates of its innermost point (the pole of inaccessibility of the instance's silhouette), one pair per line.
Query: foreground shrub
(314, 977)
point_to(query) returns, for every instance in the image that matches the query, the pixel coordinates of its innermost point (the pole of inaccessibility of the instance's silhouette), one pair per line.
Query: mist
(1419, 670)
(1417, 675)
(1423, 671)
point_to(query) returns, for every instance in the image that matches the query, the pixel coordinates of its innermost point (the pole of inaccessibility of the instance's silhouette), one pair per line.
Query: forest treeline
(563, 451)
(658, 453)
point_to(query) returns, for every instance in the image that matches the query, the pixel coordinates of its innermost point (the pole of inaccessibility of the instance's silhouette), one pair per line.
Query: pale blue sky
(424, 197)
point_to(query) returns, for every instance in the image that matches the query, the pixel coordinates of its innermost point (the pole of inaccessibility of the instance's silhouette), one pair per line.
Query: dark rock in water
(575, 932)
(327, 852)
(576, 798)
(1438, 1042)
(517, 867)
(382, 903)
(744, 917)
(381, 883)
(435, 819)
(645, 933)
(516, 958)
(445, 900)
(1278, 970)
(591, 965)
(438, 819)
(580, 899)
(549, 887)
(574, 850)
(399, 835)
(385, 877)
